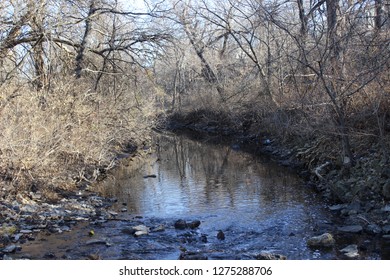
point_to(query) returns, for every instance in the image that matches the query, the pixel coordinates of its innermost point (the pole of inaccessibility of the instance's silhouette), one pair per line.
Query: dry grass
(52, 140)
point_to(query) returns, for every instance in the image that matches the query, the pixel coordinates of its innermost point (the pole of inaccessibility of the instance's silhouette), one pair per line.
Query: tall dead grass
(53, 140)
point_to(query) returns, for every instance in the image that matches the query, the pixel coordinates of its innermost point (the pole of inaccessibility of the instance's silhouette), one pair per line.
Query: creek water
(259, 206)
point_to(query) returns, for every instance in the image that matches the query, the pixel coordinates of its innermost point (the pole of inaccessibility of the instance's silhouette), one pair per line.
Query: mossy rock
(325, 240)
(8, 230)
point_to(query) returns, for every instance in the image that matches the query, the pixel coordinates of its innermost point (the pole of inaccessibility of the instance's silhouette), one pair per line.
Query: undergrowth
(55, 140)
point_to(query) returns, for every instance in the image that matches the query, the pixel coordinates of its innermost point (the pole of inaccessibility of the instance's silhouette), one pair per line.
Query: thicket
(72, 93)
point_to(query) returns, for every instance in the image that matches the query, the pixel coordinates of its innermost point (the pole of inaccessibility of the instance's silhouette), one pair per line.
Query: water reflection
(216, 183)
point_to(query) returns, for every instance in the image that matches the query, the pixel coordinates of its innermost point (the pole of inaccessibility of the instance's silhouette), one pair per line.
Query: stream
(258, 205)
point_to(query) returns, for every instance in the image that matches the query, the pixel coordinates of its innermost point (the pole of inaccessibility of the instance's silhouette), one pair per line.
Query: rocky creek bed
(114, 235)
(87, 225)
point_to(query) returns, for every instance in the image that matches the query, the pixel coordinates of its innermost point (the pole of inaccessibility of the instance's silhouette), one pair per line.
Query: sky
(135, 5)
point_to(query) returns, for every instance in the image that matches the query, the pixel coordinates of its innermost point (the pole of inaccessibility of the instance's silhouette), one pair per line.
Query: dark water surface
(259, 205)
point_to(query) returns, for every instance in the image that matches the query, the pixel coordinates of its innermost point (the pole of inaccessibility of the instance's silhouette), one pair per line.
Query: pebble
(10, 248)
(141, 230)
(140, 233)
(65, 228)
(113, 213)
(16, 237)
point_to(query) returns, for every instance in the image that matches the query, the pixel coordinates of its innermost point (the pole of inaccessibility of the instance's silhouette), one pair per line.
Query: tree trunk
(38, 49)
(39, 65)
(207, 72)
(87, 31)
(335, 84)
(303, 32)
(378, 14)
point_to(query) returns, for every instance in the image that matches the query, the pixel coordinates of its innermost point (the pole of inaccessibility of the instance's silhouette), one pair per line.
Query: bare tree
(191, 26)
(79, 29)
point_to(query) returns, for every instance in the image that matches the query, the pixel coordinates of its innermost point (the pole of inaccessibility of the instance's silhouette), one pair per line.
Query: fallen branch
(318, 169)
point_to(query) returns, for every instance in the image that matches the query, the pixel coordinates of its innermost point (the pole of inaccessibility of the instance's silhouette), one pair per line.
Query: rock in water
(192, 256)
(158, 228)
(324, 240)
(220, 235)
(194, 224)
(181, 224)
(141, 230)
(98, 242)
(270, 256)
(351, 251)
(150, 176)
(130, 231)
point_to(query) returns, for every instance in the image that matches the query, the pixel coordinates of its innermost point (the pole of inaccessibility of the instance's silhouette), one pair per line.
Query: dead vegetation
(71, 134)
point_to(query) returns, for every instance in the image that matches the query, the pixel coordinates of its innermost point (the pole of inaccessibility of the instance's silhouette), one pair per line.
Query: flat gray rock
(351, 229)
(97, 242)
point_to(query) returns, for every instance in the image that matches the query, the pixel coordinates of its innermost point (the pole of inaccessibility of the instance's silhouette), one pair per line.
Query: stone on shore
(325, 240)
(351, 251)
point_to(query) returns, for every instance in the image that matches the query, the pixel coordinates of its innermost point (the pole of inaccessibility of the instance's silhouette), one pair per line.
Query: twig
(318, 169)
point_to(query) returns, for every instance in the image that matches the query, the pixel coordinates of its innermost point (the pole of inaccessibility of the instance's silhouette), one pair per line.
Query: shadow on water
(259, 206)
